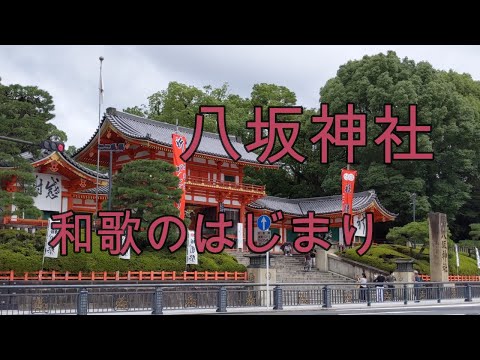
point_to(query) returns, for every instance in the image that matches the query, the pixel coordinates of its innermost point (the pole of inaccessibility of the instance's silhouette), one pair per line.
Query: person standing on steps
(313, 253)
(287, 248)
(308, 262)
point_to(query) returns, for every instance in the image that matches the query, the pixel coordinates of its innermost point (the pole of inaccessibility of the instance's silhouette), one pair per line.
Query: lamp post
(414, 198)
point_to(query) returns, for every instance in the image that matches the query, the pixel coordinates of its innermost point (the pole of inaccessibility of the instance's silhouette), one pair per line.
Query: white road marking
(409, 307)
(386, 312)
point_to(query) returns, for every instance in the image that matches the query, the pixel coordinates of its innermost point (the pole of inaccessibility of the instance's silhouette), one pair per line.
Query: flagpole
(100, 98)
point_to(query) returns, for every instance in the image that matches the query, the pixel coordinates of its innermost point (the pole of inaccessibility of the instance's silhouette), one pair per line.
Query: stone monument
(438, 230)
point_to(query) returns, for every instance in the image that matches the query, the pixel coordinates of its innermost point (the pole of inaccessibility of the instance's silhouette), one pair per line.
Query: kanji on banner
(179, 143)
(192, 254)
(49, 251)
(348, 184)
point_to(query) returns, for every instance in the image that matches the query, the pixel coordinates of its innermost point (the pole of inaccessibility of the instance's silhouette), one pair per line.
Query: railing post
(82, 302)
(277, 298)
(157, 302)
(327, 297)
(439, 293)
(12, 275)
(222, 299)
(468, 298)
(405, 294)
(369, 300)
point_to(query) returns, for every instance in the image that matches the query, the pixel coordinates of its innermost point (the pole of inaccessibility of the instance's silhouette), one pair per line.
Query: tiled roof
(161, 133)
(45, 154)
(83, 168)
(320, 205)
(103, 190)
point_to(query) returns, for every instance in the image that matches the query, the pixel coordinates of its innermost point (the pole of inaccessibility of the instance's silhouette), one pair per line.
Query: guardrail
(155, 298)
(126, 276)
(199, 181)
(455, 278)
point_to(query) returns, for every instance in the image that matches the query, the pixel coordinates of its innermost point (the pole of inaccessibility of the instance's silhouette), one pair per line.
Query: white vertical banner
(51, 252)
(192, 255)
(456, 255)
(360, 222)
(127, 254)
(341, 241)
(478, 258)
(239, 236)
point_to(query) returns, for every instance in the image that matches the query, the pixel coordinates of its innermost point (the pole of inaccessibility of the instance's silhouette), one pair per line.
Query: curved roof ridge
(160, 123)
(159, 132)
(83, 168)
(321, 205)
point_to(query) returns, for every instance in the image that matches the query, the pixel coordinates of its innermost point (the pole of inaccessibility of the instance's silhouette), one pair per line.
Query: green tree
(180, 102)
(448, 101)
(71, 150)
(149, 188)
(137, 110)
(25, 112)
(475, 231)
(415, 232)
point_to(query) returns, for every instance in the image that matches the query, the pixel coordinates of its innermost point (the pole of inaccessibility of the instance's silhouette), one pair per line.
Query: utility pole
(414, 200)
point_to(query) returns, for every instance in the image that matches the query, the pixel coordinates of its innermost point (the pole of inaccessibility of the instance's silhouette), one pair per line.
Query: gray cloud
(132, 73)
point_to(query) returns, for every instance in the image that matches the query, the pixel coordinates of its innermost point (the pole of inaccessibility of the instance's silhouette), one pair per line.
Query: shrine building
(214, 181)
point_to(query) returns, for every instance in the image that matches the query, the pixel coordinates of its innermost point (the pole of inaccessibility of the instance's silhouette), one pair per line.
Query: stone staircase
(239, 255)
(290, 269)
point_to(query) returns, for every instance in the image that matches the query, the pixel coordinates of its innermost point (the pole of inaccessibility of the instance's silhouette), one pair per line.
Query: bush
(19, 251)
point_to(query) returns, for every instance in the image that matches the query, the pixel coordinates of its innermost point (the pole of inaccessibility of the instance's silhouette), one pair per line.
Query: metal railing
(204, 182)
(125, 276)
(155, 298)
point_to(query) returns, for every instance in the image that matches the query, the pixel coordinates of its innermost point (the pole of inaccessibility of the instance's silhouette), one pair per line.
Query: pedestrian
(391, 287)
(363, 287)
(287, 248)
(380, 279)
(313, 254)
(416, 286)
(308, 262)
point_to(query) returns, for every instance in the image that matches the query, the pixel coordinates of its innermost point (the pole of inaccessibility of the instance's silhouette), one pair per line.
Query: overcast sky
(132, 73)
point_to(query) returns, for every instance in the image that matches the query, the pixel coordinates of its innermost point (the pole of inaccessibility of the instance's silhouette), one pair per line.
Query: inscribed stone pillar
(438, 229)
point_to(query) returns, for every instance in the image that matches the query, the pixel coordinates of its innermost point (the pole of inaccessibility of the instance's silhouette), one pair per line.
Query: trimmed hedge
(382, 257)
(19, 251)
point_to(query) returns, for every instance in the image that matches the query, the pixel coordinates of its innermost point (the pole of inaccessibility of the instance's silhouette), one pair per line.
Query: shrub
(19, 251)
(382, 257)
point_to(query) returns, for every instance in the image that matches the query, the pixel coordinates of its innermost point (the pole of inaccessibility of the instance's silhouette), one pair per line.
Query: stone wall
(350, 268)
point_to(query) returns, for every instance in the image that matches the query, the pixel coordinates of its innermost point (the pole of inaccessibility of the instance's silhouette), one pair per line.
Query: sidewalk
(259, 310)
